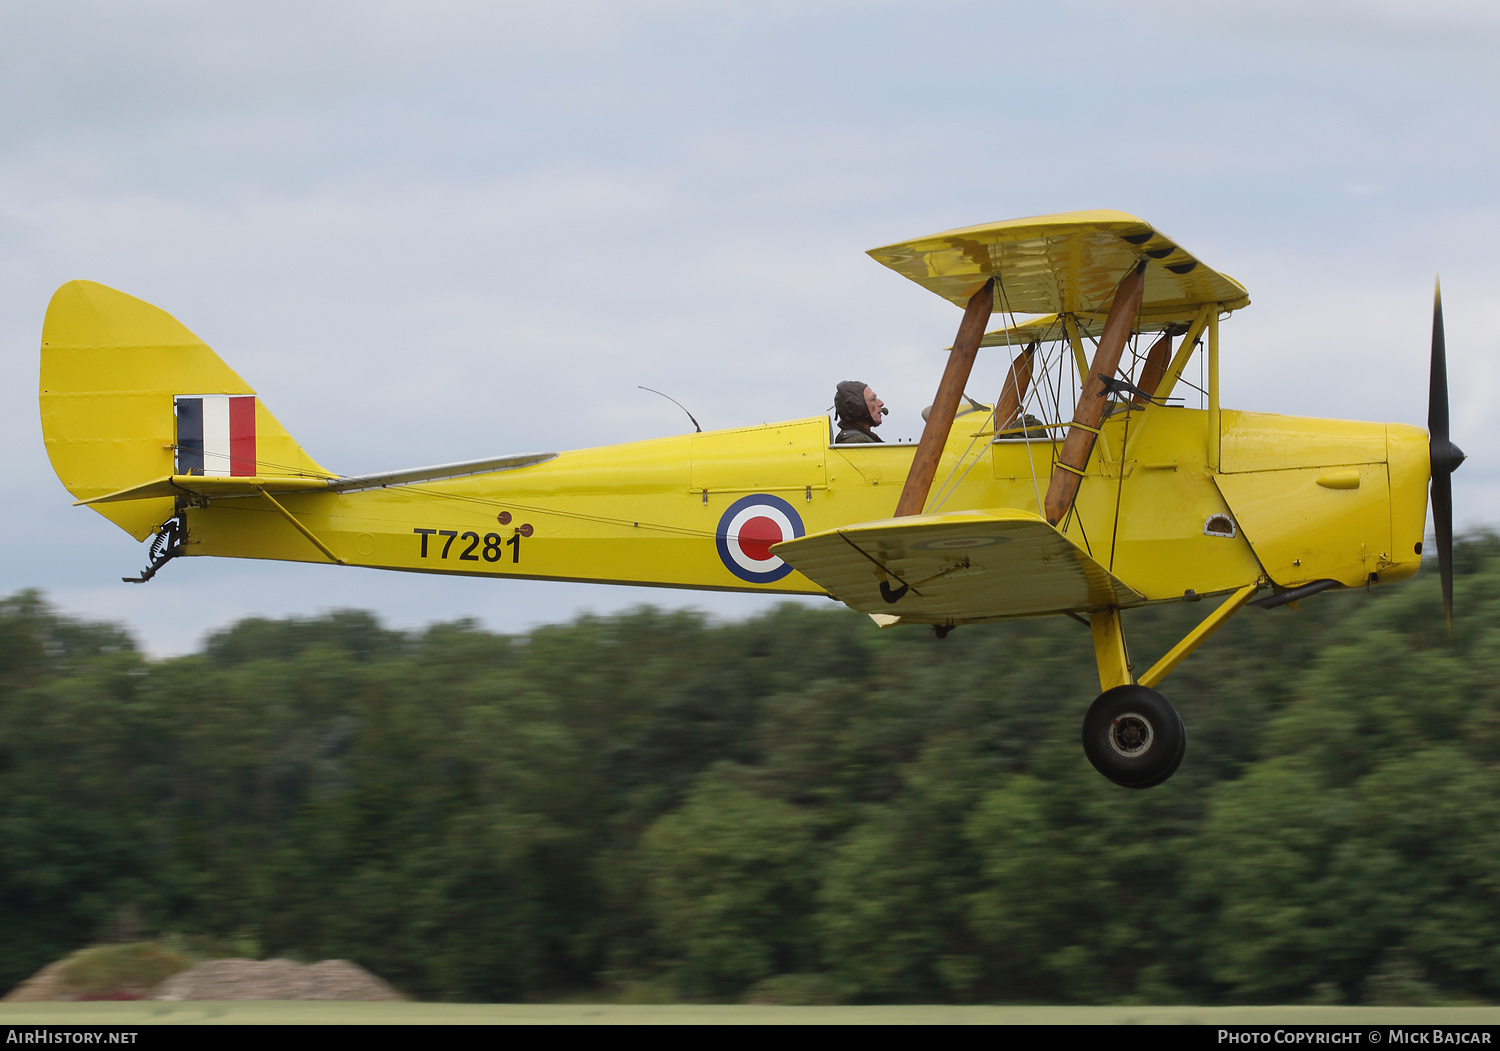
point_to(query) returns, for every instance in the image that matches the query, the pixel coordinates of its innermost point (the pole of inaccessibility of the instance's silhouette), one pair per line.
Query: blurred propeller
(1445, 455)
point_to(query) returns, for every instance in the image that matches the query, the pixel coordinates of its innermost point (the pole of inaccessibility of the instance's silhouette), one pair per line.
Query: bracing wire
(1036, 397)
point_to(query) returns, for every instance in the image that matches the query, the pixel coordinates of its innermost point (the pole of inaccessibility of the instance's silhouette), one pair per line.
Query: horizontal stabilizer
(948, 568)
(210, 487)
(214, 487)
(412, 475)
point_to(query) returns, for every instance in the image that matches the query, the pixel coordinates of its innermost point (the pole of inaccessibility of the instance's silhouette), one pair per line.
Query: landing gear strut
(1133, 736)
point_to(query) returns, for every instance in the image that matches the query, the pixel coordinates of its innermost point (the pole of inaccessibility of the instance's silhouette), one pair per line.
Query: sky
(437, 231)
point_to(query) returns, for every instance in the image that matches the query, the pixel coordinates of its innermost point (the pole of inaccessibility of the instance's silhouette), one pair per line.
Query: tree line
(798, 807)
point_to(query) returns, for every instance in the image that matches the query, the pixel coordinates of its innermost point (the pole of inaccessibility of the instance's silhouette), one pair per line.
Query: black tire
(1134, 737)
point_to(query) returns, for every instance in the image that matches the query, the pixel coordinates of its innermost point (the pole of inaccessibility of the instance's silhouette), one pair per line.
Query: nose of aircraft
(1446, 457)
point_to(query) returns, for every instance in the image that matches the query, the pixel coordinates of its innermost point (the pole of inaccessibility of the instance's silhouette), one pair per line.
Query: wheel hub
(1130, 735)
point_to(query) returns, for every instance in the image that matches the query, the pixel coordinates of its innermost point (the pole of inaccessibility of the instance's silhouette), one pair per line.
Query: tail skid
(166, 546)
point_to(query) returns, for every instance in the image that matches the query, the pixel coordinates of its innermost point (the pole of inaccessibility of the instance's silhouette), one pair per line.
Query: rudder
(113, 371)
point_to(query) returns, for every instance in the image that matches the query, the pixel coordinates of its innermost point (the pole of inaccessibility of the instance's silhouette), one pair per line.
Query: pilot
(859, 412)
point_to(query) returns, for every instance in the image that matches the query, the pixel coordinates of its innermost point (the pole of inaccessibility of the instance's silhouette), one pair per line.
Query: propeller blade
(1442, 527)
(1444, 455)
(1437, 387)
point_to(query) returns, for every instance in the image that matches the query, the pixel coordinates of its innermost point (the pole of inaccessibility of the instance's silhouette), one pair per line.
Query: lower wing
(950, 568)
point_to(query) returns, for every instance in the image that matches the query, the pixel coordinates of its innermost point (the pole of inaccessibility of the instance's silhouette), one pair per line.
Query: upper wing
(969, 565)
(1068, 263)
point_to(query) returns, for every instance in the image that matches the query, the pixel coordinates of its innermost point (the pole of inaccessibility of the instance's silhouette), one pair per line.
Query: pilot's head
(857, 403)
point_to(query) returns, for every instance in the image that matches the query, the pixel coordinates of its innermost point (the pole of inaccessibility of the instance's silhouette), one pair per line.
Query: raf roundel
(748, 529)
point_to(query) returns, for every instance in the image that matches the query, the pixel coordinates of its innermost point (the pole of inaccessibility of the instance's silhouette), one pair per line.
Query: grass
(305, 1012)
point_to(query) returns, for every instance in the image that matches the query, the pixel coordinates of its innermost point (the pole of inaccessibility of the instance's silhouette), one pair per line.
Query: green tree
(731, 878)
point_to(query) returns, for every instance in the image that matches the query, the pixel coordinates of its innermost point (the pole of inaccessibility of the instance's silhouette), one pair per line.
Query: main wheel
(1134, 737)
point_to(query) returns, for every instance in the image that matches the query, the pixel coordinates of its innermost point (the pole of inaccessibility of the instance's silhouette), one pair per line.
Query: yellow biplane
(1106, 475)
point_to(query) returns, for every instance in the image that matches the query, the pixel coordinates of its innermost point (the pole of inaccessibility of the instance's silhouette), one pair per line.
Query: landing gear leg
(1131, 734)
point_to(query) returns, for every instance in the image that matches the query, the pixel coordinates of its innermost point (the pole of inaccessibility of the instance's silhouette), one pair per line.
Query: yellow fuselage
(1305, 500)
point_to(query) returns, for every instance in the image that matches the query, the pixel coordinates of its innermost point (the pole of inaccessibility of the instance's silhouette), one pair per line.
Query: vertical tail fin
(129, 395)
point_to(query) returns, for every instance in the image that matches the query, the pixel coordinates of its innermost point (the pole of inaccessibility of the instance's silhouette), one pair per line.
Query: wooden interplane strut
(1013, 393)
(1067, 473)
(945, 405)
(1154, 368)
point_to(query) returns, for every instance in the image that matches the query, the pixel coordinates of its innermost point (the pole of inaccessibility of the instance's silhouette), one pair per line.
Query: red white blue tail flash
(216, 434)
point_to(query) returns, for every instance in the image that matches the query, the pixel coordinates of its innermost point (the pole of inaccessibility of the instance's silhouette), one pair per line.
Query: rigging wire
(1034, 397)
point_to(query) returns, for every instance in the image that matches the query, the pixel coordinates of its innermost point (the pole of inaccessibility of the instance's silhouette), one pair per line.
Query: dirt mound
(275, 980)
(103, 972)
(50, 983)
